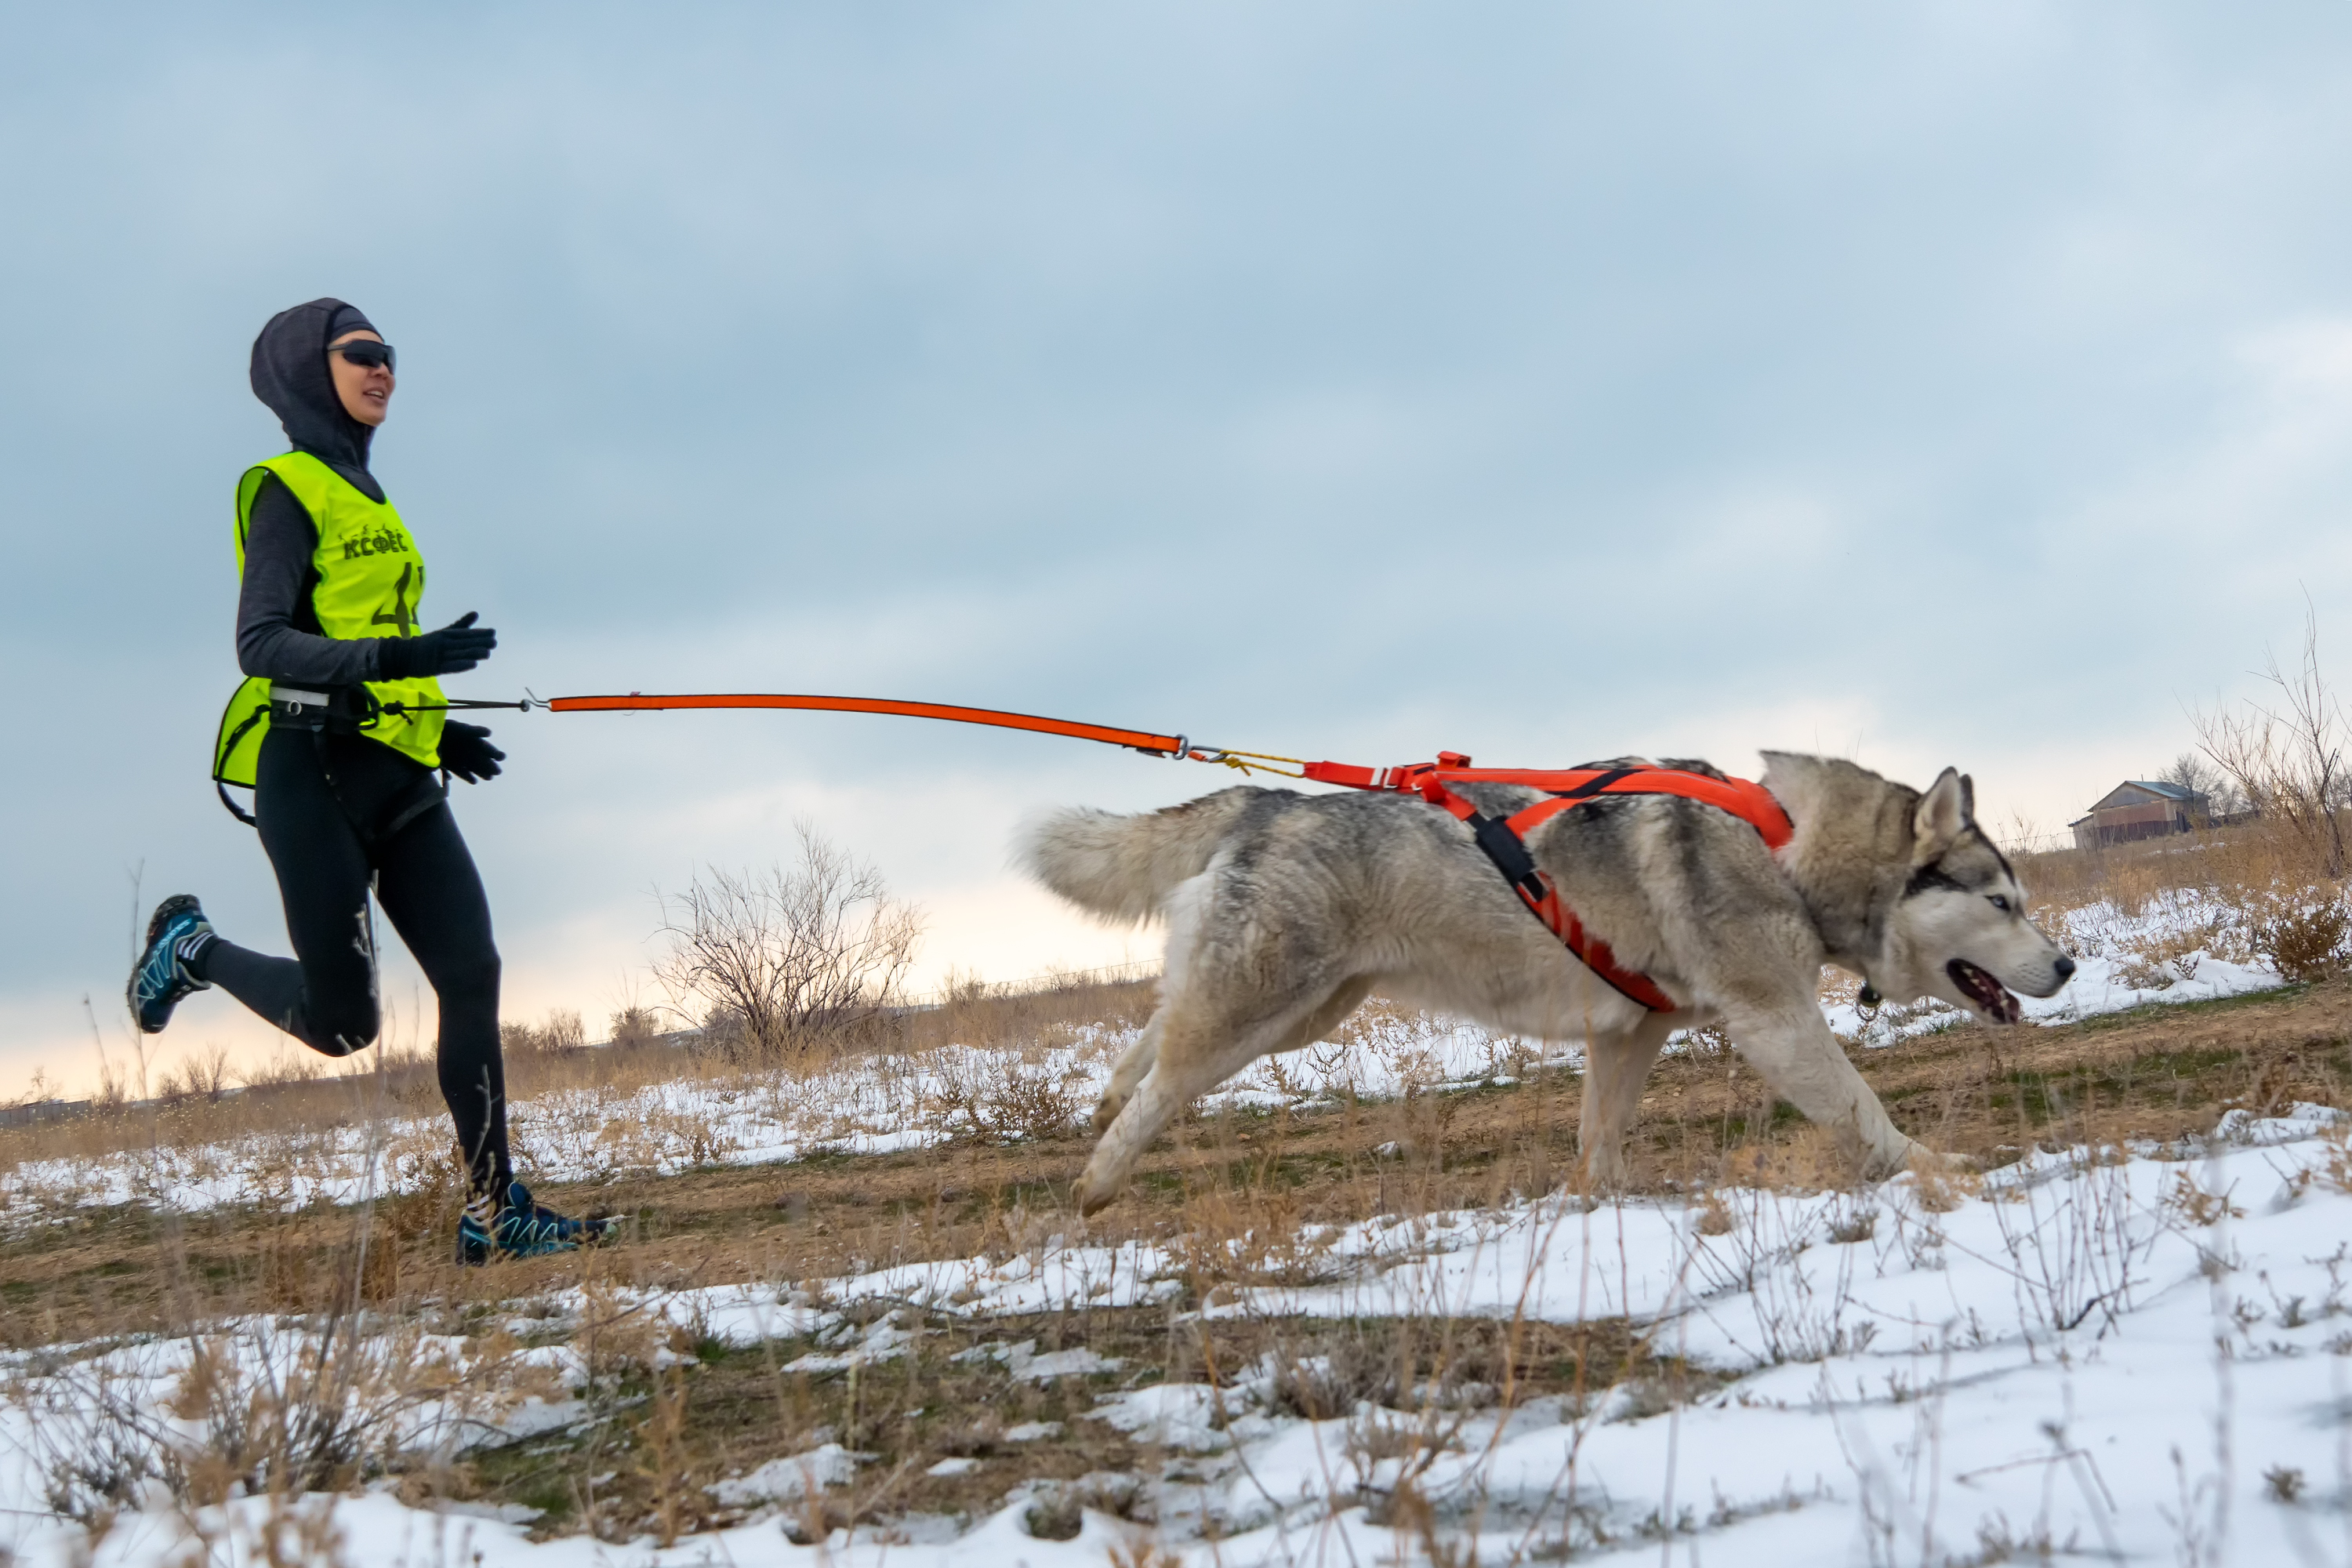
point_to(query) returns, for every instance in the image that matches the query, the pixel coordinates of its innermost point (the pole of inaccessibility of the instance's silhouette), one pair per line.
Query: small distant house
(2140, 808)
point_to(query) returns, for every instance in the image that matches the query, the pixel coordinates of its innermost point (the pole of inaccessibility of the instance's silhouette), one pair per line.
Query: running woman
(339, 730)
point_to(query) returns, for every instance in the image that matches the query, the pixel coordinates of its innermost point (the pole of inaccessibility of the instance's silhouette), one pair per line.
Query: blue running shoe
(177, 932)
(521, 1228)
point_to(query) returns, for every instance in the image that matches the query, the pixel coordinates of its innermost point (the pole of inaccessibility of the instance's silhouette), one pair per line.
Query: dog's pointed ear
(1943, 813)
(1967, 800)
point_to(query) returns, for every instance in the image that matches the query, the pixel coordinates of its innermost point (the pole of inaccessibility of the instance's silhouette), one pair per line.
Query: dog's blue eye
(1998, 901)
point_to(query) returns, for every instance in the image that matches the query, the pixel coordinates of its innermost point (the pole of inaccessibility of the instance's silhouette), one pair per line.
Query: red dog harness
(1505, 839)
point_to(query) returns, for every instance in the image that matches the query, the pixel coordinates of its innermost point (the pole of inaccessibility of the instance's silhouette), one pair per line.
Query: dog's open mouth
(1986, 991)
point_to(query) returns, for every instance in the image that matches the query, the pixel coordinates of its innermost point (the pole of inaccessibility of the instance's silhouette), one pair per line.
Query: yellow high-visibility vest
(371, 584)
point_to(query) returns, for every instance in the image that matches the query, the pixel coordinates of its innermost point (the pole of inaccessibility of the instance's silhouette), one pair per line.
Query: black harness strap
(1509, 853)
(234, 809)
(1594, 787)
(256, 717)
(350, 710)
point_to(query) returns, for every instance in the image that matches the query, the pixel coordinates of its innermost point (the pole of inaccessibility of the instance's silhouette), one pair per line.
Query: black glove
(465, 751)
(460, 645)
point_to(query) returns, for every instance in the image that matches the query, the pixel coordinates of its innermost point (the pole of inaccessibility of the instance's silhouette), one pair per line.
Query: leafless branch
(789, 958)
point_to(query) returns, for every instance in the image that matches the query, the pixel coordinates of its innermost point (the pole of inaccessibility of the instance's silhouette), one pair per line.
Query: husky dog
(1285, 910)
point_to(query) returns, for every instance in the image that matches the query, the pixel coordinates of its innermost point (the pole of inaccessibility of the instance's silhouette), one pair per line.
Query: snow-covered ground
(2133, 1355)
(868, 1105)
(2165, 953)
(879, 1104)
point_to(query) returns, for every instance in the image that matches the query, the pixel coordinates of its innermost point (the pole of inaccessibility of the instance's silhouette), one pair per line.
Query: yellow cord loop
(1256, 761)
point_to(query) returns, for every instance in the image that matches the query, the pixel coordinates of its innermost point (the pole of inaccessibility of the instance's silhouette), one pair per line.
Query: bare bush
(2305, 943)
(634, 1025)
(2159, 958)
(2076, 1245)
(1751, 1242)
(2289, 764)
(563, 1031)
(204, 1075)
(2195, 773)
(795, 957)
(261, 1408)
(993, 1098)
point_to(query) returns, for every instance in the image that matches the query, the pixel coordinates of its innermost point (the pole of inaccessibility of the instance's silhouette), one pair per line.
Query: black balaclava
(291, 375)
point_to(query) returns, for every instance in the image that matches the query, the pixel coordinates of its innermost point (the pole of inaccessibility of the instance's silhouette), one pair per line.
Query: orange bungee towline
(1504, 839)
(637, 701)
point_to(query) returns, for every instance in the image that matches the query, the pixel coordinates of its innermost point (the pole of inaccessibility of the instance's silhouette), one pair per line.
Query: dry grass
(2247, 864)
(1242, 1195)
(958, 1391)
(1239, 1199)
(2265, 890)
(298, 1093)
(2256, 886)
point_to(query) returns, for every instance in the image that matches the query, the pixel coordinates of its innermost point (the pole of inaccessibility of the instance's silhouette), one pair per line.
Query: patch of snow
(1078, 1362)
(503, 1512)
(790, 1480)
(2053, 1353)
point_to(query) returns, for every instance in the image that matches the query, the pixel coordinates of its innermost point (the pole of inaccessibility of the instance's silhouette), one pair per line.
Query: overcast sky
(1923, 383)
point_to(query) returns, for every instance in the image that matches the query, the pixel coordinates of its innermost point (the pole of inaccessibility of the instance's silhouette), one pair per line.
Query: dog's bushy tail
(1124, 867)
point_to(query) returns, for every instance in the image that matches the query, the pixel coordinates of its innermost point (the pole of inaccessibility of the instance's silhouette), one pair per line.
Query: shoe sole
(603, 1231)
(164, 911)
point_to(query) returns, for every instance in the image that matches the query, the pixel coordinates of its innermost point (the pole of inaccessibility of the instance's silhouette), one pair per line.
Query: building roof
(2143, 793)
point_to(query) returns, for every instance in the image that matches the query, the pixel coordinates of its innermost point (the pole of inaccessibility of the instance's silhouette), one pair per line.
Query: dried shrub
(2187, 1202)
(2289, 764)
(2307, 942)
(1367, 1365)
(1940, 1188)
(563, 1031)
(998, 1098)
(795, 957)
(260, 1409)
(204, 1075)
(634, 1026)
(1251, 1234)
(2161, 959)
(680, 1504)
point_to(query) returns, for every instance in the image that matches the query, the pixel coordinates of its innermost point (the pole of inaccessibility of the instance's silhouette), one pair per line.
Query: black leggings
(330, 809)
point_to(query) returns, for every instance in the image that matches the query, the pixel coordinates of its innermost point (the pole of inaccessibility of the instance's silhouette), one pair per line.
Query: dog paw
(1914, 1157)
(1606, 1176)
(1095, 1187)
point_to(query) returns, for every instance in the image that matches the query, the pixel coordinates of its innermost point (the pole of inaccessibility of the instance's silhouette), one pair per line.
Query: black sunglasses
(359, 350)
